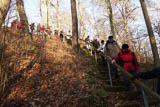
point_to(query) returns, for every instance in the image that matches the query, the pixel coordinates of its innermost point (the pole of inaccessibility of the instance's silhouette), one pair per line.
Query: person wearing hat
(127, 59)
(111, 51)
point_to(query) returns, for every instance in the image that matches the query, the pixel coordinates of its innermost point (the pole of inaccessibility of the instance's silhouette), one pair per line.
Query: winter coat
(19, 25)
(42, 29)
(95, 44)
(61, 35)
(128, 61)
(155, 73)
(111, 49)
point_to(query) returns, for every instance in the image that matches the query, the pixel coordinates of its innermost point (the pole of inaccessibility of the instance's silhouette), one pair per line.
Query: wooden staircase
(118, 97)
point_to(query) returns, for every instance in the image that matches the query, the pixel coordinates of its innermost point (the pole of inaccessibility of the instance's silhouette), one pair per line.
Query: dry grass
(56, 81)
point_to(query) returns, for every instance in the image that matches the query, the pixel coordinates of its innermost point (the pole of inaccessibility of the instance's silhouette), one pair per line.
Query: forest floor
(57, 80)
(60, 78)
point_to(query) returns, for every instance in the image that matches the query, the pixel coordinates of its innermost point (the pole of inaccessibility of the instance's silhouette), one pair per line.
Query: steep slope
(56, 80)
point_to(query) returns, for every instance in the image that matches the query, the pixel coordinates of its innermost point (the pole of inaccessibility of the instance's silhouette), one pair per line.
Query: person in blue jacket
(154, 73)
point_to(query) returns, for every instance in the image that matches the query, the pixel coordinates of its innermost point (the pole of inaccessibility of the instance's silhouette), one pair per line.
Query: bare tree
(82, 23)
(74, 26)
(22, 14)
(109, 8)
(57, 15)
(151, 34)
(47, 12)
(41, 12)
(4, 6)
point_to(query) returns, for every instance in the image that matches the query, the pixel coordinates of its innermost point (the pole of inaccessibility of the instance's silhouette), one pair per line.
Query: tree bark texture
(22, 14)
(74, 26)
(41, 12)
(47, 13)
(58, 18)
(126, 19)
(4, 6)
(109, 8)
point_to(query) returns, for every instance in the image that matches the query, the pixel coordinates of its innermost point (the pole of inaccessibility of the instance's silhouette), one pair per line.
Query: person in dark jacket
(38, 29)
(127, 59)
(151, 74)
(32, 27)
(95, 44)
(61, 36)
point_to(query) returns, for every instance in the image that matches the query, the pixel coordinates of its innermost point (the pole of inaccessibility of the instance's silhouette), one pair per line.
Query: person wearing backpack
(38, 29)
(127, 59)
(111, 50)
(32, 27)
(61, 35)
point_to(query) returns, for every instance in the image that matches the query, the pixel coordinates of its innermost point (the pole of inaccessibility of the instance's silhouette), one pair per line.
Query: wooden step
(155, 103)
(127, 95)
(130, 105)
(114, 82)
(121, 103)
(131, 97)
(114, 88)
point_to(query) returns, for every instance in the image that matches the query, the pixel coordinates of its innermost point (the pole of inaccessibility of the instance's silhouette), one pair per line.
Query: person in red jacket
(127, 59)
(42, 30)
(19, 25)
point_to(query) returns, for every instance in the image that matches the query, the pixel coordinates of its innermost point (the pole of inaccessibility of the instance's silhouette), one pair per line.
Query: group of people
(44, 31)
(41, 30)
(16, 24)
(126, 59)
(95, 43)
(64, 36)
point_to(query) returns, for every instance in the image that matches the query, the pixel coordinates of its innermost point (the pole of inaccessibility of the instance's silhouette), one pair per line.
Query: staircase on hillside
(117, 97)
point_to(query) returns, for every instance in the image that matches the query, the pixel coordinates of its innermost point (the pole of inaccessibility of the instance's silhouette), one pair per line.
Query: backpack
(107, 42)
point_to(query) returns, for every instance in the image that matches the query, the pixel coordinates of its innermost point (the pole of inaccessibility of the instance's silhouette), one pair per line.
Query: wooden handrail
(137, 82)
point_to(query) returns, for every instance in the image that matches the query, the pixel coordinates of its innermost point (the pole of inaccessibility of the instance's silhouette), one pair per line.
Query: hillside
(54, 75)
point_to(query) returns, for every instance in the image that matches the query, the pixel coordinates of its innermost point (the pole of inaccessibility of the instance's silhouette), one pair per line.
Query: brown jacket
(111, 49)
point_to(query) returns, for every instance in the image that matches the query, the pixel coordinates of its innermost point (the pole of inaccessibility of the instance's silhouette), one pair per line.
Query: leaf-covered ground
(61, 78)
(58, 79)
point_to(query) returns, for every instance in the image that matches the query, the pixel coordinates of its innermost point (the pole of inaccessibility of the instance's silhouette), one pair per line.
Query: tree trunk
(47, 13)
(4, 6)
(41, 12)
(74, 26)
(22, 14)
(151, 34)
(125, 16)
(82, 20)
(58, 18)
(109, 8)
